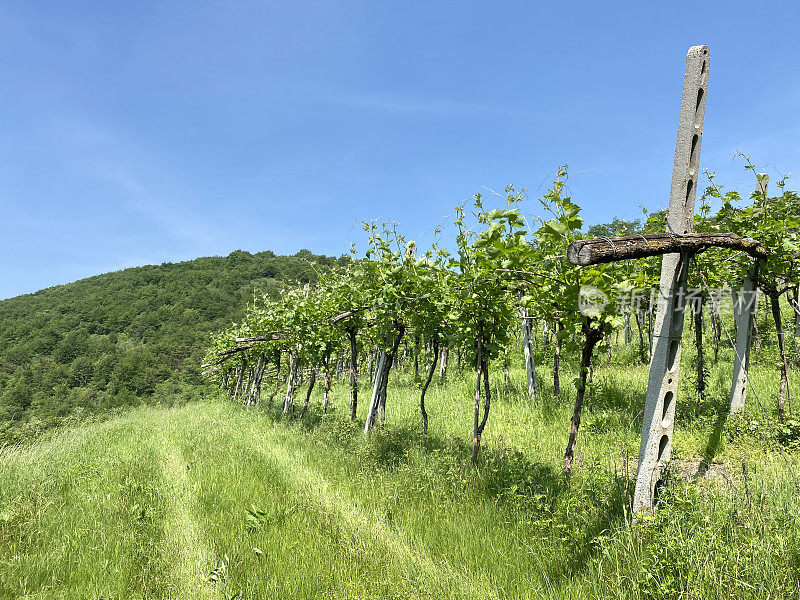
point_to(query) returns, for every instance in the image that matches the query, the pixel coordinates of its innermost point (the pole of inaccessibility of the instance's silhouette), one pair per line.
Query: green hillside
(126, 337)
(214, 500)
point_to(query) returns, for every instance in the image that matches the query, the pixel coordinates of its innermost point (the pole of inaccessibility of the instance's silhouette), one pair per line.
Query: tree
(617, 227)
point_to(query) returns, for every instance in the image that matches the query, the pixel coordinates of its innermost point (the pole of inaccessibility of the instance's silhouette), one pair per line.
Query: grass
(212, 500)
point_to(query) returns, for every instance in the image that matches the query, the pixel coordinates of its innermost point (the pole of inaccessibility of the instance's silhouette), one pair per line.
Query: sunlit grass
(213, 500)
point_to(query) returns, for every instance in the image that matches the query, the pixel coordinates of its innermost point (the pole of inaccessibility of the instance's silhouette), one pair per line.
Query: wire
(611, 243)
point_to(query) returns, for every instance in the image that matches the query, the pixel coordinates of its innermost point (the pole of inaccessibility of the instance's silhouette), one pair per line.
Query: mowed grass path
(155, 504)
(212, 500)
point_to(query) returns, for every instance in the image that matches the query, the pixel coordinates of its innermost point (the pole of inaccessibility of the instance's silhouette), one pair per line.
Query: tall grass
(213, 500)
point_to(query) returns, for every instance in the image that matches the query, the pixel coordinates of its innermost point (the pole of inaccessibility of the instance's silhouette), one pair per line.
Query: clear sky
(149, 132)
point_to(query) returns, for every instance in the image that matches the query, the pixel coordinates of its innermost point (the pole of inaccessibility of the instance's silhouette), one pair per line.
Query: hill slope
(125, 337)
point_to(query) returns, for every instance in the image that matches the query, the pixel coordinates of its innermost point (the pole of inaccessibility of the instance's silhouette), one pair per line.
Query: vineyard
(502, 292)
(509, 270)
(526, 407)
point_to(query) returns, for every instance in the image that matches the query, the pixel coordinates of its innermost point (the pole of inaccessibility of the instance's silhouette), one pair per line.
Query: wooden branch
(270, 371)
(604, 250)
(215, 363)
(348, 314)
(267, 337)
(234, 350)
(225, 355)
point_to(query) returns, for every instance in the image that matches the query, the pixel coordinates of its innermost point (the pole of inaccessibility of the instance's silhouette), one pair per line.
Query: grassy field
(212, 500)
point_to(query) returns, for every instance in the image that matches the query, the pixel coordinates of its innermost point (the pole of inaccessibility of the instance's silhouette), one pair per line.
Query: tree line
(127, 337)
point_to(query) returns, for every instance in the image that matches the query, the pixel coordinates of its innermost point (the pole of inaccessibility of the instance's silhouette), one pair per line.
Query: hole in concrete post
(689, 188)
(672, 353)
(677, 311)
(662, 445)
(699, 99)
(703, 68)
(694, 146)
(665, 420)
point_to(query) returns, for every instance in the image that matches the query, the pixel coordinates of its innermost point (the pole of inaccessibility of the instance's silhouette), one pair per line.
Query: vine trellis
(397, 302)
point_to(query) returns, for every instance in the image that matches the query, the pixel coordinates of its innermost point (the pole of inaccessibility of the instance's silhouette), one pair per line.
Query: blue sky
(151, 132)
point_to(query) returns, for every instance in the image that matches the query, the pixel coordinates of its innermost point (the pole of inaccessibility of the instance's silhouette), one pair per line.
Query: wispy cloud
(141, 185)
(399, 104)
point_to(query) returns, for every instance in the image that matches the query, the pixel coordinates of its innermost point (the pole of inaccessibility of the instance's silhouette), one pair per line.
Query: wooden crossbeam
(604, 250)
(267, 337)
(348, 314)
(234, 350)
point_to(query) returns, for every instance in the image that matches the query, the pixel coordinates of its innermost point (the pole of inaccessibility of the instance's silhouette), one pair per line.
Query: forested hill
(125, 337)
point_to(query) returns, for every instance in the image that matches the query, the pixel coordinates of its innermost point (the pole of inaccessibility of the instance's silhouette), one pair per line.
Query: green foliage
(617, 227)
(773, 220)
(555, 291)
(115, 339)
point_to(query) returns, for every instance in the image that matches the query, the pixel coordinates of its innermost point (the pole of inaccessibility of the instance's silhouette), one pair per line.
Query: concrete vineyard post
(527, 350)
(662, 385)
(744, 310)
(373, 402)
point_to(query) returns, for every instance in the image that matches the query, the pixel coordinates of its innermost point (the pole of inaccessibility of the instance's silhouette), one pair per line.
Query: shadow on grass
(309, 422)
(516, 392)
(586, 517)
(611, 393)
(501, 473)
(692, 412)
(713, 443)
(573, 515)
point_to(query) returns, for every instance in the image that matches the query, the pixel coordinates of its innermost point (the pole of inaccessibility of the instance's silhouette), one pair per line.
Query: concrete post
(373, 401)
(627, 329)
(797, 319)
(662, 385)
(291, 383)
(762, 186)
(527, 351)
(744, 312)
